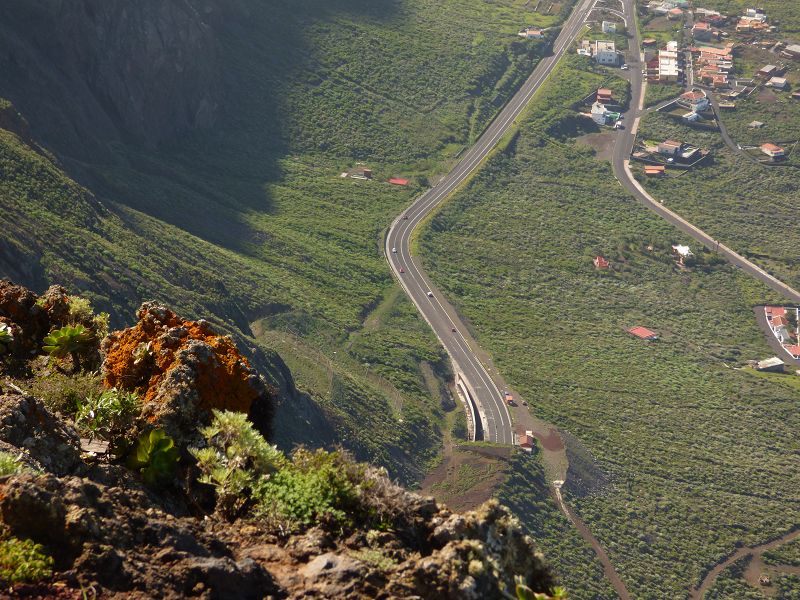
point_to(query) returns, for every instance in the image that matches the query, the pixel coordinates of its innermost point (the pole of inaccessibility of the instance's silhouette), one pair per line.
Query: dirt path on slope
(755, 551)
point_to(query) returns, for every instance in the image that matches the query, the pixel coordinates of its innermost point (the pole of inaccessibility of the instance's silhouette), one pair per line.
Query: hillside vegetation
(698, 456)
(247, 222)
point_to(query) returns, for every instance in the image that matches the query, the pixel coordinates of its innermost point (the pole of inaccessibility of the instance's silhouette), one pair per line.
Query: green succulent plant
(69, 340)
(523, 592)
(143, 353)
(155, 457)
(23, 560)
(6, 338)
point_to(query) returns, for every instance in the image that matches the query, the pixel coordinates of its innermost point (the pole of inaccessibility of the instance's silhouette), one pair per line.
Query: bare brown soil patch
(552, 441)
(767, 97)
(468, 476)
(603, 143)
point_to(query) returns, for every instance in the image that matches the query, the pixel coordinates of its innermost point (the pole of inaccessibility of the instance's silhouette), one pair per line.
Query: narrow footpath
(708, 581)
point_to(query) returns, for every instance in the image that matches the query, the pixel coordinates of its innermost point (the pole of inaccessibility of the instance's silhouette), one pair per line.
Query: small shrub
(459, 429)
(65, 393)
(375, 558)
(107, 414)
(82, 313)
(318, 487)
(236, 459)
(69, 340)
(10, 464)
(23, 561)
(143, 353)
(155, 457)
(6, 338)
(523, 592)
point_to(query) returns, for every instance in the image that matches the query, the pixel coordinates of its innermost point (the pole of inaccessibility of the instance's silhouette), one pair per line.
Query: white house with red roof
(772, 150)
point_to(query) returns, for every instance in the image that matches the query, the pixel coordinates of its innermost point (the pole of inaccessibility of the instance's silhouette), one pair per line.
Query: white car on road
(430, 294)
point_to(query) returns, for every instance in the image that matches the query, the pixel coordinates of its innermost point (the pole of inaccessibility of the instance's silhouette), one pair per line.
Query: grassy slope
(250, 223)
(525, 491)
(700, 455)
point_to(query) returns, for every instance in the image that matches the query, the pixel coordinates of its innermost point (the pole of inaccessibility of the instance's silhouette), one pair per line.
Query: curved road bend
(491, 406)
(620, 163)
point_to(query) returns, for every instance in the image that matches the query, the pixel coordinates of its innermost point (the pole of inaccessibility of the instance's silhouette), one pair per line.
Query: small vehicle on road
(430, 294)
(619, 125)
(454, 330)
(405, 217)
(402, 270)
(624, 67)
(394, 250)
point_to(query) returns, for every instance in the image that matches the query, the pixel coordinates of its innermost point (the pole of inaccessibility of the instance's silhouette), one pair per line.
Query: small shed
(360, 172)
(655, 170)
(643, 333)
(773, 365)
(527, 441)
(779, 83)
(398, 181)
(755, 125)
(600, 263)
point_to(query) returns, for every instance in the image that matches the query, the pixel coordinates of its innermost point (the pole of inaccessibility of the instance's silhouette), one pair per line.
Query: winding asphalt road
(495, 420)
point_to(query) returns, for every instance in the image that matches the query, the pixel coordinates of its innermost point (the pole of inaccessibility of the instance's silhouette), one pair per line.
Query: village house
(605, 52)
(702, 32)
(774, 311)
(695, 99)
(398, 181)
(755, 125)
(585, 48)
(772, 150)
(709, 16)
(767, 72)
(779, 83)
(600, 263)
(669, 148)
(791, 51)
(604, 95)
(643, 333)
(674, 14)
(531, 34)
(668, 63)
(599, 113)
(780, 327)
(793, 350)
(527, 441)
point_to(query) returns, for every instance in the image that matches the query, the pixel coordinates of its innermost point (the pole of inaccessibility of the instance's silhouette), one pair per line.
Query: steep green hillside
(247, 222)
(699, 454)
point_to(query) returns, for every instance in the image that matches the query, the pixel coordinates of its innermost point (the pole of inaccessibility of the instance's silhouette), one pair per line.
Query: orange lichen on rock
(180, 368)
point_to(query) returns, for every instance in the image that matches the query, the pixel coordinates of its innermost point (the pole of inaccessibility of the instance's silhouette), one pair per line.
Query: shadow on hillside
(207, 181)
(203, 182)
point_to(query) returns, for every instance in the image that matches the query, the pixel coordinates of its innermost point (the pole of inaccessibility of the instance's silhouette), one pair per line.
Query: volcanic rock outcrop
(183, 370)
